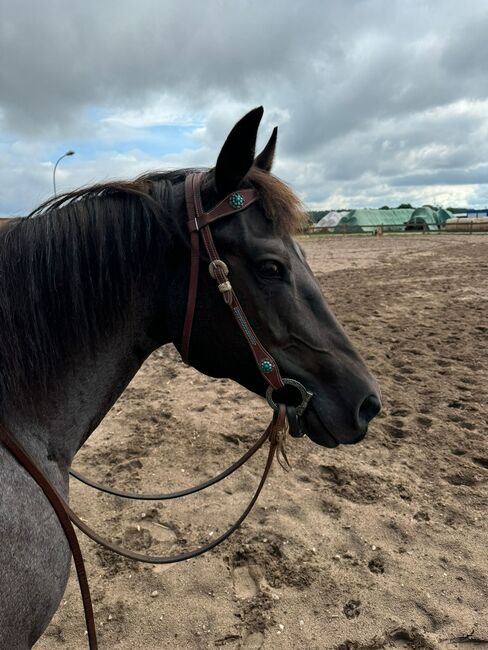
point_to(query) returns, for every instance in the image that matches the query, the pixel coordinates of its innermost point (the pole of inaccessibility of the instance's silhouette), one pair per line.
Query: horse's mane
(68, 269)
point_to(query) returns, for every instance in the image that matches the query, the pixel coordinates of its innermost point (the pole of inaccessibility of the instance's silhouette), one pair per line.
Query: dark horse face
(281, 299)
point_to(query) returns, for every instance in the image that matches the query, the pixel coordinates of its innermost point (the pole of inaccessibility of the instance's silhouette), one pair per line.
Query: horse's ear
(265, 159)
(237, 155)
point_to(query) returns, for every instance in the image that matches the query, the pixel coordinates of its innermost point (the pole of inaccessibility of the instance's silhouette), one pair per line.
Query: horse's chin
(318, 432)
(322, 438)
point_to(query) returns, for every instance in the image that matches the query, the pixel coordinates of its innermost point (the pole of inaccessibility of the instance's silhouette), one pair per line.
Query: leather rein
(199, 226)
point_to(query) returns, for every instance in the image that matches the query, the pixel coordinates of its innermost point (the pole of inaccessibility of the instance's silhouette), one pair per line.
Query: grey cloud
(364, 92)
(455, 176)
(467, 54)
(61, 57)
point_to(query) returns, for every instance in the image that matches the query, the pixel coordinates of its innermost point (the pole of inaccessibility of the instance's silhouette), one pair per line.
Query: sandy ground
(378, 545)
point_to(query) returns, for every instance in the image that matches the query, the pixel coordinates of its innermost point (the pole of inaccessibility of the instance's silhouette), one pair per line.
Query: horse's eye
(270, 269)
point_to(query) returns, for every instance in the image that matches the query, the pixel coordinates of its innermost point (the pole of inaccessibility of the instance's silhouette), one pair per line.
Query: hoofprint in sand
(382, 544)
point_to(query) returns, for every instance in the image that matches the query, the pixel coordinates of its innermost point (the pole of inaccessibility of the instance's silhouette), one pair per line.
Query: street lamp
(68, 153)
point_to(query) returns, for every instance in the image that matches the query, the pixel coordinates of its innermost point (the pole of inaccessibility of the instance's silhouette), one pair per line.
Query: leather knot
(278, 436)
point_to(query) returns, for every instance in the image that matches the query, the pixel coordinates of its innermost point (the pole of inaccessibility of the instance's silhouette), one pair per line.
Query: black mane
(66, 272)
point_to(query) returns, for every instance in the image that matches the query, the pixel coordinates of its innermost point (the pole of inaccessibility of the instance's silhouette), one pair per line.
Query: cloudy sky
(377, 101)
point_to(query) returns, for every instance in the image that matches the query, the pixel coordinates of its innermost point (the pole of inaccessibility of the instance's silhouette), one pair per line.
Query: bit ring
(305, 394)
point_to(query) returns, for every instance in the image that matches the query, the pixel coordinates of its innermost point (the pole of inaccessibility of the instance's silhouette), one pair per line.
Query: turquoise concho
(236, 200)
(266, 366)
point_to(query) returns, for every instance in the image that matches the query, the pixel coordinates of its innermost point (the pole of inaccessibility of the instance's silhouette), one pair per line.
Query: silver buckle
(217, 264)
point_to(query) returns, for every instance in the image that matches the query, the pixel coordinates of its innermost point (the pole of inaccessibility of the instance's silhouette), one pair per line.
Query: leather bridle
(198, 225)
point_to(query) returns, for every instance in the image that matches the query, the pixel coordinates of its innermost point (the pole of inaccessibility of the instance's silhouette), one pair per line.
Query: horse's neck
(82, 400)
(83, 394)
(85, 389)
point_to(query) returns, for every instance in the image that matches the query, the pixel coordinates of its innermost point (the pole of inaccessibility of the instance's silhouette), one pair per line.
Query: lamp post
(68, 153)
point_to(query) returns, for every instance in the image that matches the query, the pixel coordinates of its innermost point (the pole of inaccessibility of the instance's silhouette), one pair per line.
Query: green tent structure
(357, 221)
(443, 215)
(427, 217)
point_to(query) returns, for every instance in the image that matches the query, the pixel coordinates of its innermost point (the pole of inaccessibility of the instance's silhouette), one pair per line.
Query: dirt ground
(377, 545)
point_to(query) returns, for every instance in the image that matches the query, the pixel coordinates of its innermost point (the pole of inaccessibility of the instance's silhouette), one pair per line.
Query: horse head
(280, 296)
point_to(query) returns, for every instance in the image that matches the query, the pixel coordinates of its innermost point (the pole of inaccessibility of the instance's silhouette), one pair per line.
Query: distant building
(368, 219)
(427, 218)
(476, 214)
(330, 220)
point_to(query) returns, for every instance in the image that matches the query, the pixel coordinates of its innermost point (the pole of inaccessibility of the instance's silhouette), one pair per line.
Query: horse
(96, 279)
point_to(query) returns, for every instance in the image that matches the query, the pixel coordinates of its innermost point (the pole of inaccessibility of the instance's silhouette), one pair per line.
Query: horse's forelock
(281, 205)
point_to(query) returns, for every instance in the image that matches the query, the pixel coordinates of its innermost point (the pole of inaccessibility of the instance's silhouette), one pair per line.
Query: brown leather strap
(266, 364)
(222, 209)
(63, 513)
(198, 222)
(275, 433)
(173, 495)
(191, 202)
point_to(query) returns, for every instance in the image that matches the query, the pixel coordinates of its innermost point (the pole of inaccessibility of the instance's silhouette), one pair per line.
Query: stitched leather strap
(265, 362)
(222, 209)
(198, 222)
(194, 262)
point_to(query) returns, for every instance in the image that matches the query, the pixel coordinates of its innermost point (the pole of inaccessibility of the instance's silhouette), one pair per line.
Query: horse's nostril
(368, 410)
